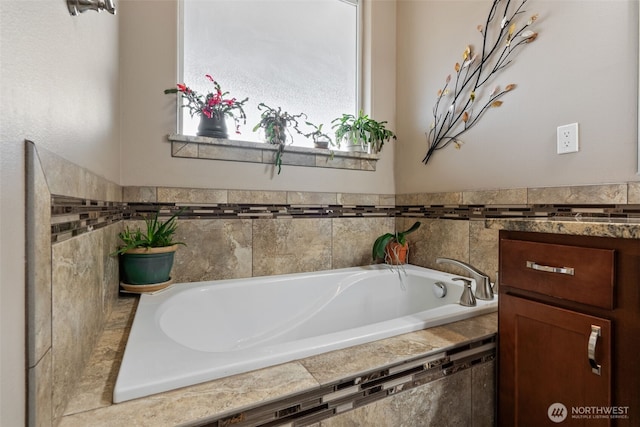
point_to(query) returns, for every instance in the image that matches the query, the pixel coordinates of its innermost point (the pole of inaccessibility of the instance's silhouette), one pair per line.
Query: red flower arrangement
(213, 104)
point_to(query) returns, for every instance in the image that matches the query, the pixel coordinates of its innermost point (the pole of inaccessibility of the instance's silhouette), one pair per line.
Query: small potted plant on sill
(320, 139)
(276, 125)
(213, 108)
(361, 133)
(393, 247)
(146, 257)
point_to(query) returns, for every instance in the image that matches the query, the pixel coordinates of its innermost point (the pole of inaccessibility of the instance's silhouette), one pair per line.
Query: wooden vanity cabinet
(569, 329)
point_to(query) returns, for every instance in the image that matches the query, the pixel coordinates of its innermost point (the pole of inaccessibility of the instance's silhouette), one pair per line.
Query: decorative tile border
(255, 211)
(531, 211)
(73, 216)
(353, 392)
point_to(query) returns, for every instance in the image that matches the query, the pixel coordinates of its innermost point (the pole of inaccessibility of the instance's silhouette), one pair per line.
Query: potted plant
(212, 107)
(276, 125)
(362, 133)
(320, 139)
(393, 247)
(146, 257)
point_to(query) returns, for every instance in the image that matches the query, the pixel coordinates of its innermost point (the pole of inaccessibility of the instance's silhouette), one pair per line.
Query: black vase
(214, 127)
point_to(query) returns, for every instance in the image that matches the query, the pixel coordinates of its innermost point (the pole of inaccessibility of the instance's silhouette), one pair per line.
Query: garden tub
(196, 332)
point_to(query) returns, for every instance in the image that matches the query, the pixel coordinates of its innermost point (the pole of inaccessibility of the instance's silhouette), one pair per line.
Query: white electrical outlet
(568, 138)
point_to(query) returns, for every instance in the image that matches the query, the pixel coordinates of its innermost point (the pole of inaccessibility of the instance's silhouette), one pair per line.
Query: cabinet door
(550, 355)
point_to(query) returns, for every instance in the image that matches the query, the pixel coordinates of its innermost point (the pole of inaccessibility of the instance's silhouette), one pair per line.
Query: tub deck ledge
(92, 404)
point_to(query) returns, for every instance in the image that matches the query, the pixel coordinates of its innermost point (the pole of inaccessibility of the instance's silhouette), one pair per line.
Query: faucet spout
(483, 283)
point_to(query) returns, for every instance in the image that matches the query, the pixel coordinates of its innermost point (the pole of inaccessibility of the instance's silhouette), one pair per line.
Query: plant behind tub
(146, 257)
(362, 132)
(393, 247)
(276, 125)
(320, 139)
(215, 104)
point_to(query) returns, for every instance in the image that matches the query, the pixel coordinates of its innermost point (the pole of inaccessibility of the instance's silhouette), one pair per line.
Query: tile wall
(71, 284)
(74, 216)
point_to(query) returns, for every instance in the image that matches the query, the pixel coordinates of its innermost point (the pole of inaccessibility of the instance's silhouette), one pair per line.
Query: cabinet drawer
(580, 274)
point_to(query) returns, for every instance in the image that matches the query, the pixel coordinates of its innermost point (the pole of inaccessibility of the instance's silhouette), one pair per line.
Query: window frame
(359, 78)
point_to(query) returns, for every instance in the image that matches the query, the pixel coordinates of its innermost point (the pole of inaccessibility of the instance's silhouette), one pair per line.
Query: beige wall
(582, 68)
(59, 77)
(60, 80)
(149, 66)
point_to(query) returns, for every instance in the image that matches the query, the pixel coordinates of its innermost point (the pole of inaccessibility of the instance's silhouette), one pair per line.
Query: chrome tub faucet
(484, 291)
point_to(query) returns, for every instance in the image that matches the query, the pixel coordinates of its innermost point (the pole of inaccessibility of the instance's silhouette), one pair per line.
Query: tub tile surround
(71, 286)
(633, 193)
(290, 388)
(221, 248)
(256, 232)
(430, 404)
(80, 265)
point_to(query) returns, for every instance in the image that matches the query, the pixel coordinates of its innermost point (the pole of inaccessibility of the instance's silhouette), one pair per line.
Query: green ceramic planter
(147, 266)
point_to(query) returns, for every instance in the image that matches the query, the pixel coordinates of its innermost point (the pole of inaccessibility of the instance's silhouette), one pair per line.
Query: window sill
(199, 147)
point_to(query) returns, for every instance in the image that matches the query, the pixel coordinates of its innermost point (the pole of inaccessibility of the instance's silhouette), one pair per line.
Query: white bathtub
(196, 332)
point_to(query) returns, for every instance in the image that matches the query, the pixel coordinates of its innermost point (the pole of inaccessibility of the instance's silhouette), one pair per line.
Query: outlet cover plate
(567, 138)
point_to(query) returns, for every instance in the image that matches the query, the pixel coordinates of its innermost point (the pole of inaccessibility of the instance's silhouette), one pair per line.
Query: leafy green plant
(362, 130)
(318, 137)
(381, 242)
(277, 124)
(158, 234)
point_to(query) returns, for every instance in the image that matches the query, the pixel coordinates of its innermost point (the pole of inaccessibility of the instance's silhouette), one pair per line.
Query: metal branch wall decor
(462, 101)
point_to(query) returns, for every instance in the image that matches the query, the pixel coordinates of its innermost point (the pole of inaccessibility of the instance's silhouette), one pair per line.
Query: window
(301, 55)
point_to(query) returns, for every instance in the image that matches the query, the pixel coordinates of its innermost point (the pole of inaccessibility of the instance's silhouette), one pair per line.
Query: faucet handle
(467, 298)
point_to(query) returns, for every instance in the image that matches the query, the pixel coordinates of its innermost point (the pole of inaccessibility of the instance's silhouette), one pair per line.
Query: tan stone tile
(388, 200)
(483, 248)
(39, 401)
(110, 283)
(38, 253)
(587, 194)
(78, 312)
(353, 239)
(483, 394)
(476, 327)
(311, 198)
(123, 312)
(191, 195)
(633, 195)
(437, 238)
(140, 194)
(258, 197)
(68, 179)
(340, 162)
(95, 387)
(200, 402)
(339, 364)
(184, 149)
(426, 199)
(215, 249)
(222, 152)
(335, 365)
(288, 245)
(292, 159)
(354, 199)
(512, 196)
(443, 402)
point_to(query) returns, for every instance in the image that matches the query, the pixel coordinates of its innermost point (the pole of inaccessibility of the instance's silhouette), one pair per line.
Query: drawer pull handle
(561, 270)
(591, 349)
